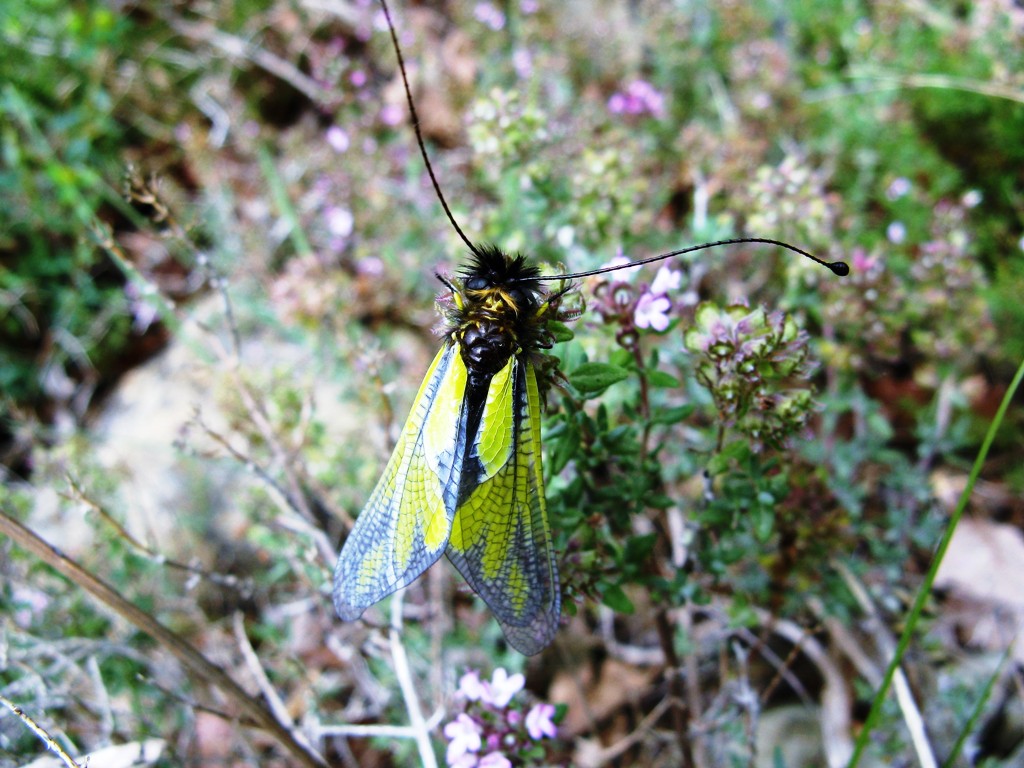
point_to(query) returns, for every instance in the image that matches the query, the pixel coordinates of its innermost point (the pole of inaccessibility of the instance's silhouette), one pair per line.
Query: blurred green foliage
(62, 304)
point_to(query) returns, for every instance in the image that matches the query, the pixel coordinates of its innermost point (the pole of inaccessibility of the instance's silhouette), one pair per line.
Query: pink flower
(471, 687)
(666, 281)
(522, 62)
(463, 736)
(503, 687)
(539, 723)
(620, 260)
(488, 14)
(897, 188)
(337, 138)
(862, 261)
(497, 692)
(494, 760)
(391, 115)
(144, 312)
(638, 98)
(896, 232)
(652, 312)
(339, 221)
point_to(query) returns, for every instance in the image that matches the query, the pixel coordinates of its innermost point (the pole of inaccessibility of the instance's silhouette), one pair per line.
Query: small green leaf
(616, 599)
(718, 464)
(560, 332)
(738, 450)
(593, 378)
(662, 379)
(563, 447)
(621, 357)
(764, 523)
(672, 415)
(639, 548)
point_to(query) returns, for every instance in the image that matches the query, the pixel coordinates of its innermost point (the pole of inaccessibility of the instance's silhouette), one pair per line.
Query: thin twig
(145, 192)
(219, 283)
(101, 697)
(405, 683)
(39, 731)
(843, 640)
(634, 655)
(783, 671)
(196, 706)
(870, 82)
(380, 731)
(673, 675)
(252, 661)
(747, 700)
(285, 499)
(77, 494)
(236, 48)
(693, 689)
(617, 749)
(944, 400)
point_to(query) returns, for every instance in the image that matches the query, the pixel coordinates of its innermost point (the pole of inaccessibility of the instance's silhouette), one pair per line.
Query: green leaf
(718, 464)
(639, 548)
(616, 599)
(662, 379)
(594, 378)
(764, 522)
(560, 332)
(563, 447)
(738, 450)
(621, 357)
(672, 415)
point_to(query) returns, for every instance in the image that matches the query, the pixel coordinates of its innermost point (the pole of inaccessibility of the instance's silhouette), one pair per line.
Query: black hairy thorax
(499, 311)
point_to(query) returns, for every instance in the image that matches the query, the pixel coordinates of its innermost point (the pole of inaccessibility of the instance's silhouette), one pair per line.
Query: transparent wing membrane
(405, 525)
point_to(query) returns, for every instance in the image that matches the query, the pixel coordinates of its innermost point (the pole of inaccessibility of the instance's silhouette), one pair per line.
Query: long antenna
(419, 136)
(840, 268)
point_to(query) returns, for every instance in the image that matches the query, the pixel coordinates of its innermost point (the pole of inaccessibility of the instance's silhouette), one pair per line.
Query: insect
(465, 478)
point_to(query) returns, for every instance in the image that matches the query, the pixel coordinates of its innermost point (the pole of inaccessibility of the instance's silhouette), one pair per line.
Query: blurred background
(217, 255)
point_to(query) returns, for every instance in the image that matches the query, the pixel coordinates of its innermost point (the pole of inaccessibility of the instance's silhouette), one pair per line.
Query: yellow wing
(500, 538)
(404, 527)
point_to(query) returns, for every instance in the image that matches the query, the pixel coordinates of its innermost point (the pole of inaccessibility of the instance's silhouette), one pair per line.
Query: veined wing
(404, 527)
(500, 539)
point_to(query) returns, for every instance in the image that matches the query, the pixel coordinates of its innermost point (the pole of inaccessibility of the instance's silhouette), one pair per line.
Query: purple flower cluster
(748, 359)
(794, 201)
(491, 729)
(638, 98)
(649, 308)
(489, 14)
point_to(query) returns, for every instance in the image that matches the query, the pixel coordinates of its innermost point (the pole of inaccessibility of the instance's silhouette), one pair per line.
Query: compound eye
(477, 283)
